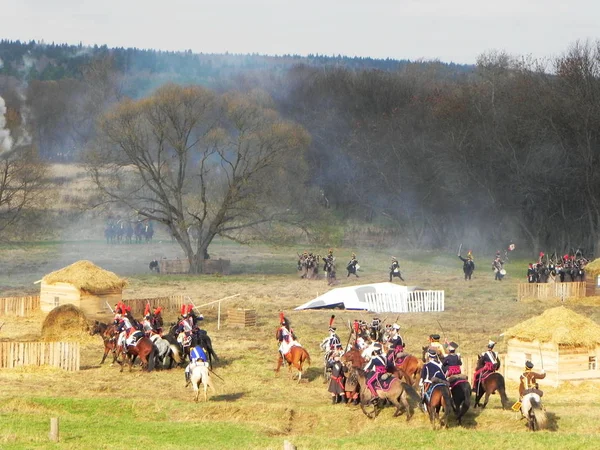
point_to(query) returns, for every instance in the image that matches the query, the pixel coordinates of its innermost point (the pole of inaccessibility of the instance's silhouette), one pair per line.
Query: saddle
(455, 380)
(432, 387)
(383, 382)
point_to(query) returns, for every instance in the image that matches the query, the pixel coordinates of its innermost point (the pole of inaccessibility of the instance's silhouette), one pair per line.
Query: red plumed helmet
(356, 326)
(541, 254)
(182, 309)
(157, 311)
(147, 309)
(281, 318)
(189, 308)
(331, 320)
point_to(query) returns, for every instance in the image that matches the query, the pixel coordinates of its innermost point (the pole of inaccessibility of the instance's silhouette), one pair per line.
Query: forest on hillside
(505, 151)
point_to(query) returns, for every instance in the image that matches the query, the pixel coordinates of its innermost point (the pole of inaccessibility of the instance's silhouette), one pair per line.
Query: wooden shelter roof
(86, 276)
(559, 326)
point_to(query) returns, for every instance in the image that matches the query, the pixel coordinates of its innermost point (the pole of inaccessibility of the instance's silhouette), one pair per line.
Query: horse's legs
(486, 399)
(279, 363)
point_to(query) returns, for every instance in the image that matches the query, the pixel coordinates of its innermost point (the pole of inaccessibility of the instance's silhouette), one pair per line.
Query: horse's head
(97, 328)
(425, 348)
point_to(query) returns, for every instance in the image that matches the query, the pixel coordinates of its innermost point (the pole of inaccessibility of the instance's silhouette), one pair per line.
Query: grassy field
(100, 408)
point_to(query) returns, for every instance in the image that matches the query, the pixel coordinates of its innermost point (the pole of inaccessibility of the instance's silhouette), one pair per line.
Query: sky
(451, 31)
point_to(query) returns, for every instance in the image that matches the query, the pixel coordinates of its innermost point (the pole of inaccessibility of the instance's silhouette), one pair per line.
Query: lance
(211, 371)
(541, 359)
(441, 328)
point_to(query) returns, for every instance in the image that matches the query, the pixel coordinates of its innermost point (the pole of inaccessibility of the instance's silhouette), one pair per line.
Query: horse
(165, 349)
(353, 359)
(489, 384)
(410, 368)
(108, 334)
(201, 374)
(532, 410)
(436, 399)
(144, 348)
(199, 337)
(460, 390)
(138, 231)
(397, 393)
(296, 357)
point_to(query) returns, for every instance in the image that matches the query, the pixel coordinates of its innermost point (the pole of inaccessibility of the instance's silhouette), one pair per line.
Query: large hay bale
(592, 270)
(86, 276)
(65, 323)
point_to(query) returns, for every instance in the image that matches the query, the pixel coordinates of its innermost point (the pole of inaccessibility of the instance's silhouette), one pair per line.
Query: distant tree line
(504, 151)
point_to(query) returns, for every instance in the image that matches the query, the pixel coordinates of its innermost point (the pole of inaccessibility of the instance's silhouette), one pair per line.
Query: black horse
(197, 337)
(460, 391)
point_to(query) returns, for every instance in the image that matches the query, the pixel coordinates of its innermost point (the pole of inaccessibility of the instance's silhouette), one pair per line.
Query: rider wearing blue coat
(197, 357)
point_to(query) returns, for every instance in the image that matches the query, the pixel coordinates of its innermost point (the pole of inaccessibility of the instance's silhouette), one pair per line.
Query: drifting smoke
(6, 141)
(1, 63)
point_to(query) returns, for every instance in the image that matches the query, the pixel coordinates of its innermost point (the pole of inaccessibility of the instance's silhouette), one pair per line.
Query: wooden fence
(170, 303)
(546, 291)
(65, 355)
(415, 301)
(19, 306)
(470, 362)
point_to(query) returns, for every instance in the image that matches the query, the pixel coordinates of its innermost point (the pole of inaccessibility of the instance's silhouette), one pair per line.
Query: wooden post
(54, 432)
(219, 317)
(287, 445)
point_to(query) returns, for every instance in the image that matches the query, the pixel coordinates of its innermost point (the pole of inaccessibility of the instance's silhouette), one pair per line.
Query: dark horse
(488, 384)
(144, 348)
(296, 357)
(460, 389)
(198, 337)
(109, 336)
(439, 399)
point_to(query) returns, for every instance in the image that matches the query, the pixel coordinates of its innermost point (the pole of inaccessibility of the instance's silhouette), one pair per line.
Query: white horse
(200, 374)
(164, 349)
(532, 410)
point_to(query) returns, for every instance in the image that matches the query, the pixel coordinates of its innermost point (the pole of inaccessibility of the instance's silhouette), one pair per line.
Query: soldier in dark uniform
(468, 265)
(352, 266)
(395, 269)
(337, 382)
(451, 363)
(532, 275)
(431, 373)
(491, 363)
(329, 267)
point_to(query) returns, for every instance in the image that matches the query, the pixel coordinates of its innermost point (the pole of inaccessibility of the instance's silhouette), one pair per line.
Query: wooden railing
(552, 290)
(65, 355)
(415, 301)
(171, 303)
(19, 306)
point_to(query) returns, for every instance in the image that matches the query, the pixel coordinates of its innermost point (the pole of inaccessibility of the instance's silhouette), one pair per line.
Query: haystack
(65, 323)
(564, 343)
(84, 285)
(87, 276)
(592, 269)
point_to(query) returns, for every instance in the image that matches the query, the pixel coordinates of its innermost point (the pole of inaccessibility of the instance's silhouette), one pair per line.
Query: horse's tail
(502, 390)
(538, 412)
(412, 393)
(151, 357)
(175, 352)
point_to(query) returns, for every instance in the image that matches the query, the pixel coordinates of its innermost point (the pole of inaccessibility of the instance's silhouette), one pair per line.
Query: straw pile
(560, 326)
(86, 276)
(65, 322)
(592, 269)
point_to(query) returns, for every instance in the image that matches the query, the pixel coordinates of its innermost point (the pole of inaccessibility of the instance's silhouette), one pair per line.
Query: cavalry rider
(285, 336)
(396, 354)
(434, 342)
(375, 367)
(528, 381)
(395, 269)
(124, 327)
(468, 265)
(451, 363)
(331, 342)
(352, 266)
(432, 373)
(147, 323)
(197, 357)
(491, 363)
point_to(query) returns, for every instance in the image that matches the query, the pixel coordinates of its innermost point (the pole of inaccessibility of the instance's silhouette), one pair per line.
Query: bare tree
(193, 160)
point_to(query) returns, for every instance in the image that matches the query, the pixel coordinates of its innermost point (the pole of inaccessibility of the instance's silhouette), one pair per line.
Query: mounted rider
(285, 336)
(197, 357)
(352, 266)
(148, 322)
(491, 363)
(396, 353)
(451, 363)
(434, 342)
(431, 374)
(125, 328)
(375, 367)
(528, 381)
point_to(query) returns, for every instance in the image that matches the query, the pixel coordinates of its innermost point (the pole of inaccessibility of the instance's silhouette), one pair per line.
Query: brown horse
(296, 357)
(489, 384)
(397, 394)
(108, 334)
(353, 359)
(410, 369)
(144, 348)
(438, 400)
